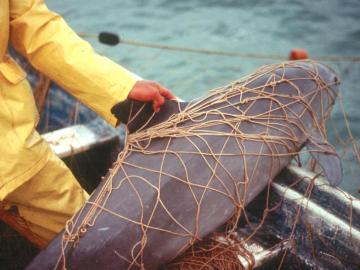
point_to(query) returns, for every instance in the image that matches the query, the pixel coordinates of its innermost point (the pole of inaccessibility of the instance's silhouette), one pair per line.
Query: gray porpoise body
(115, 241)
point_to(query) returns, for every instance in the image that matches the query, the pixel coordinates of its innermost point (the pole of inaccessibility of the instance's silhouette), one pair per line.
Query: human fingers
(164, 91)
(158, 101)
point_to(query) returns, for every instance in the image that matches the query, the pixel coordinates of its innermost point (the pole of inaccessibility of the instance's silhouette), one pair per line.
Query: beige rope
(194, 124)
(138, 43)
(144, 44)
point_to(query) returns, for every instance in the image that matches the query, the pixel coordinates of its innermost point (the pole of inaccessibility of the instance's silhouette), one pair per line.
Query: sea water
(322, 27)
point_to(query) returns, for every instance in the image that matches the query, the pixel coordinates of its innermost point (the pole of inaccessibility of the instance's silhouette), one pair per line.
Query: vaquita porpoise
(188, 169)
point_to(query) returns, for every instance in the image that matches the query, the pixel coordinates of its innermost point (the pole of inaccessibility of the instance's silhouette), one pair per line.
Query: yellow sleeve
(50, 45)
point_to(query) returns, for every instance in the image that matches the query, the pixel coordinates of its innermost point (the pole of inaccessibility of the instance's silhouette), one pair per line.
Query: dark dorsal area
(138, 115)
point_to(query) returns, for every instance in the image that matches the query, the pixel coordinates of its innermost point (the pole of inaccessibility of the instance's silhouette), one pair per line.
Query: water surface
(322, 27)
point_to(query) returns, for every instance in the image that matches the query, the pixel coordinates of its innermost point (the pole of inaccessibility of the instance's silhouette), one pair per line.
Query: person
(38, 193)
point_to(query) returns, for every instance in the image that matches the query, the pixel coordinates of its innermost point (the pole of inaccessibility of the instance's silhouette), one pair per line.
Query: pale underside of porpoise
(173, 190)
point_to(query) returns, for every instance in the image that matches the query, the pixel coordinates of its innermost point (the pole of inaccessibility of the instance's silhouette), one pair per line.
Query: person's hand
(149, 91)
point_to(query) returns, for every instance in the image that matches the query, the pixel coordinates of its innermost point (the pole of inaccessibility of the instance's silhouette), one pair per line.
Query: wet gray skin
(113, 242)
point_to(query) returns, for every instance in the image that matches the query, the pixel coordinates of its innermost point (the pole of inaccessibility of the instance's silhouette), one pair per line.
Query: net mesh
(194, 125)
(223, 150)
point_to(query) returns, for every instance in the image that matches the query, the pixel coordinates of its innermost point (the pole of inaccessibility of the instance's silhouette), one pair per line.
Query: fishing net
(221, 150)
(206, 138)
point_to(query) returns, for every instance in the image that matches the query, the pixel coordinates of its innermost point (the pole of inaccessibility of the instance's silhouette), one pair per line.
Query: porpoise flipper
(326, 157)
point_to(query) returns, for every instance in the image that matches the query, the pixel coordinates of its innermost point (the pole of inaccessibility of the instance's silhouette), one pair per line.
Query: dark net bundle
(214, 252)
(193, 168)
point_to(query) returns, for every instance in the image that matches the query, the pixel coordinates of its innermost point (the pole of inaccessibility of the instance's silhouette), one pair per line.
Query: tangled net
(214, 252)
(222, 150)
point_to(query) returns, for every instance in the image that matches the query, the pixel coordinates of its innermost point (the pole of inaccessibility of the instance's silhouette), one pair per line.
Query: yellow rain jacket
(54, 49)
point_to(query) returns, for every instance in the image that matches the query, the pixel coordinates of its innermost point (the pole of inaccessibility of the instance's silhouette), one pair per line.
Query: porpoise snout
(330, 81)
(328, 74)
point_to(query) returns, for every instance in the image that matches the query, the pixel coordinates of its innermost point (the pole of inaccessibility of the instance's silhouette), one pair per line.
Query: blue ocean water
(322, 27)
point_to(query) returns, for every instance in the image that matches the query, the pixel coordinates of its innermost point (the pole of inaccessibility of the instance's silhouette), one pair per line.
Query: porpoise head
(320, 94)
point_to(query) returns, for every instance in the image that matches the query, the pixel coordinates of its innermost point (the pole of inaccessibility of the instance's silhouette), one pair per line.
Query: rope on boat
(234, 54)
(113, 39)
